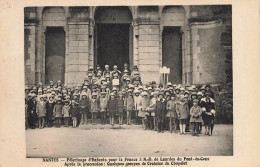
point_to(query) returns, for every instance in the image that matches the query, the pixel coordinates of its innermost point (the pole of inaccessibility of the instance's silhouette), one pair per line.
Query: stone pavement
(124, 140)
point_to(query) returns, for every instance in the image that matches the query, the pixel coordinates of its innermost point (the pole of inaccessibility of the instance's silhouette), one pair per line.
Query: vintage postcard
(129, 83)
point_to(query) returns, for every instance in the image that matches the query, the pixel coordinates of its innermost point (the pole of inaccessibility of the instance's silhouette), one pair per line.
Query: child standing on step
(103, 106)
(57, 112)
(182, 110)
(112, 107)
(74, 113)
(120, 107)
(94, 107)
(65, 112)
(130, 106)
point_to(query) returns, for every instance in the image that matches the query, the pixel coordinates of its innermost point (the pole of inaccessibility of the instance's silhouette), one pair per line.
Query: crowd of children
(116, 94)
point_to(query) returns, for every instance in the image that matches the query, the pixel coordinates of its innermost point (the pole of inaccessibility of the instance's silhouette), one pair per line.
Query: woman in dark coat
(31, 111)
(208, 115)
(160, 110)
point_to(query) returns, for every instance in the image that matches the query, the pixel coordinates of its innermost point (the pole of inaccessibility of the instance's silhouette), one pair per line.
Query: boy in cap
(160, 110)
(103, 106)
(49, 110)
(57, 112)
(137, 99)
(171, 107)
(144, 103)
(94, 107)
(74, 110)
(65, 112)
(98, 70)
(106, 71)
(41, 111)
(112, 107)
(84, 106)
(195, 118)
(151, 110)
(129, 105)
(120, 107)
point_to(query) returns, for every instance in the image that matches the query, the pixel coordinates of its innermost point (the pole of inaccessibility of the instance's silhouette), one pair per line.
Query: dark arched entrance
(113, 36)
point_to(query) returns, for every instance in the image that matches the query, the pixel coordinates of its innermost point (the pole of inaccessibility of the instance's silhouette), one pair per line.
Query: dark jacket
(31, 109)
(74, 111)
(84, 105)
(49, 109)
(112, 106)
(160, 110)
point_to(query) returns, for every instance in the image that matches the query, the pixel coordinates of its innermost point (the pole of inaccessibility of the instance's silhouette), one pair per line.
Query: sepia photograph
(128, 81)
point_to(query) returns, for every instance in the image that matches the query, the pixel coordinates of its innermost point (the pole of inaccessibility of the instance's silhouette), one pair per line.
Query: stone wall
(77, 60)
(30, 22)
(148, 43)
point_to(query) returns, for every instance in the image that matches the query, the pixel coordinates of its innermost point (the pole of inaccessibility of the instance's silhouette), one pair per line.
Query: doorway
(112, 44)
(113, 37)
(54, 54)
(172, 53)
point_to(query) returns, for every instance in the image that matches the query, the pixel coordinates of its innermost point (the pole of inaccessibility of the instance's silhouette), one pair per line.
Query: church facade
(62, 43)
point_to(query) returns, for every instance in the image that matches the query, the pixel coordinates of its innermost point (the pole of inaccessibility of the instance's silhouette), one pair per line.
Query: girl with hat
(103, 106)
(144, 103)
(57, 112)
(84, 106)
(151, 109)
(74, 110)
(112, 107)
(120, 107)
(41, 111)
(190, 103)
(65, 112)
(171, 107)
(137, 99)
(49, 110)
(129, 105)
(182, 110)
(160, 110)
(94, 107)
(195, 119)
(199, 97)
(167, 94)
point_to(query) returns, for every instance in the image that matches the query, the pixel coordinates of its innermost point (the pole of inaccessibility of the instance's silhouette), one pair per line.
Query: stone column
(29, 51)
(148, 48)
(77, 63)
